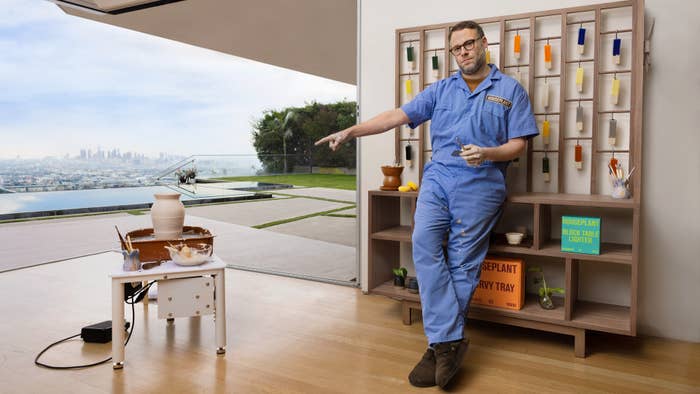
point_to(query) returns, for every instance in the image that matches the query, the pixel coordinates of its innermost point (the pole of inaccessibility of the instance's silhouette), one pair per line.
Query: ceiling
(317, 37)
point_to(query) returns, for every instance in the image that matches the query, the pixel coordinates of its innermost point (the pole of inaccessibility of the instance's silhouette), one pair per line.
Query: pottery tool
(578, 156)
(461, 147)
(615, 90)
(581, 39)
(612, 132)
(518, 76)
(120, 236)
(616, 50)
(488, 56)
(409, 156)
(545, 168)
(545, 94)
(579, 117)
(410, 58)
(409, 88)
(614, 165)
(516, 46)
(579, 79)
(548, 56)
(545, 132)
(435, 66)
(627, 178)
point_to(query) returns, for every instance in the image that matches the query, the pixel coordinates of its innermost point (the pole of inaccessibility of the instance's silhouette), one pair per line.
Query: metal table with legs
(166, 274)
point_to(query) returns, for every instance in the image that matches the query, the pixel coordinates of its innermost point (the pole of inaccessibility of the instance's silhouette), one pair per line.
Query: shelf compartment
(530, 311)
(394, 193)
(611, 253)
(499, 241)
(398, 233)
(602, 317)
(592, 200)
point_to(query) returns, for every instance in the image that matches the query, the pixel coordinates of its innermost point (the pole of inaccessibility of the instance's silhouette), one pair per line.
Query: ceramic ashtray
(514, 238)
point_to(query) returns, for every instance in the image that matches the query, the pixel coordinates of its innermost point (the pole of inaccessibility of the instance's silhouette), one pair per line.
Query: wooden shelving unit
(543, 203)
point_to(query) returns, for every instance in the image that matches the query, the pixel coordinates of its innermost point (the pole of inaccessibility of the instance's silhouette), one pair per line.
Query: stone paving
(316, 247)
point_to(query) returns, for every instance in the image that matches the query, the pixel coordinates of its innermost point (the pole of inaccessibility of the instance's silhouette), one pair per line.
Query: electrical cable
(131, 300)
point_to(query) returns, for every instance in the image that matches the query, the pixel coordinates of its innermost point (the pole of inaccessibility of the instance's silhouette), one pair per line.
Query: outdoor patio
(319, 247)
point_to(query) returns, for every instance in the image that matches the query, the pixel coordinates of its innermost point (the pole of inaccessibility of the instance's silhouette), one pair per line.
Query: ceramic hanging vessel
(168, 216)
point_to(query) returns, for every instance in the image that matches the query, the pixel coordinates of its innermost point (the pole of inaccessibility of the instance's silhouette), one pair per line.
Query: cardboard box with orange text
(502, 283)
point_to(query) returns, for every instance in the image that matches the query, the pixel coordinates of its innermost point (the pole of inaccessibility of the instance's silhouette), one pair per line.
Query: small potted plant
(400, 276)
(544, 292)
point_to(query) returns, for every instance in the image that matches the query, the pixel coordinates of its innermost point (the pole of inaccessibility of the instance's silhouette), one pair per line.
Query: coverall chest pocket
(443, 116)
(494, 123)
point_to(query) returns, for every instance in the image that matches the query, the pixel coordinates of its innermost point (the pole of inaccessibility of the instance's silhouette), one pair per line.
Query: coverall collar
(493, 75)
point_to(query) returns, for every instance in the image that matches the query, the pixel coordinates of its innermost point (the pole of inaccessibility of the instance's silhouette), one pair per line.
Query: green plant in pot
(400, 276)
(544, 292)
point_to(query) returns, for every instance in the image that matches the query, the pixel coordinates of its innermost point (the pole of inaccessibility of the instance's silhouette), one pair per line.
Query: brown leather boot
(448, 358)
(423, 374)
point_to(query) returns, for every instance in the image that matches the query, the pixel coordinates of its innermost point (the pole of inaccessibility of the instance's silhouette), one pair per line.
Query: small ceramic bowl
(514, 238)
(195, 256)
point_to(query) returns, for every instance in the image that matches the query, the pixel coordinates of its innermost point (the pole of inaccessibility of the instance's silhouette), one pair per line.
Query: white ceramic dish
(196, 257)
(514, 238)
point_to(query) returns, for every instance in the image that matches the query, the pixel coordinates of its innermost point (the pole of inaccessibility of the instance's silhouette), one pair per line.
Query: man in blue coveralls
(480, 120)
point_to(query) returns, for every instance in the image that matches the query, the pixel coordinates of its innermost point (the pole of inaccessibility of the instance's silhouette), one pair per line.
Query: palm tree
(286, 131)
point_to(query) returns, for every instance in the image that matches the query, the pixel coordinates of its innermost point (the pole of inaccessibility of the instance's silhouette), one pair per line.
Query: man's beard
(476, 66)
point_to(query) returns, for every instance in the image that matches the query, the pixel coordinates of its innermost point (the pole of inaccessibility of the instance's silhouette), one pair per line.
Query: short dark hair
(466, 25)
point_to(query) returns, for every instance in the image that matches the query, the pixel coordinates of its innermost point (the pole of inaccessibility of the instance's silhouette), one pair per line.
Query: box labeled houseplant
(501, 283)
(580, 234)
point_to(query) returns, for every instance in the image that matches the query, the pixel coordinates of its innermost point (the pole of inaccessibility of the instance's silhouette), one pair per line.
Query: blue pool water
(22, 205)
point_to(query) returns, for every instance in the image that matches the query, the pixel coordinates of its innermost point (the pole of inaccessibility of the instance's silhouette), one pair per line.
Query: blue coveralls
(458, 199)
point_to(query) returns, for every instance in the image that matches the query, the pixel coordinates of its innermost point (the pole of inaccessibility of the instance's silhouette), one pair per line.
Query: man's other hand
(334, 140)
(473, 155)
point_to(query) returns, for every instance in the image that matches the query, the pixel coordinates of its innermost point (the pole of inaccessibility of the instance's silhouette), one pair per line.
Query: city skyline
(71, 83)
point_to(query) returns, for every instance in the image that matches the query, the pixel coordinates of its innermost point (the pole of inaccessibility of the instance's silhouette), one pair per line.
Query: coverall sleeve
(521, 121)
(421, 107)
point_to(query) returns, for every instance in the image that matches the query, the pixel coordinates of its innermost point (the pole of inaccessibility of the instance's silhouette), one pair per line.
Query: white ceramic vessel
(514, 238)
(168, 216)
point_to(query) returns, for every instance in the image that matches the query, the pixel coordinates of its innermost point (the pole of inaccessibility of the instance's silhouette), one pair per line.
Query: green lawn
(333, 181)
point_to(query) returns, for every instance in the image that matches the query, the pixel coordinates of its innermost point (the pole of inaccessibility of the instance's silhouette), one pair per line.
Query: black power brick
(99, 332)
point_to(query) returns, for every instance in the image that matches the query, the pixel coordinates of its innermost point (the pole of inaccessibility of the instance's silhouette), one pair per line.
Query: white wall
(669, 271)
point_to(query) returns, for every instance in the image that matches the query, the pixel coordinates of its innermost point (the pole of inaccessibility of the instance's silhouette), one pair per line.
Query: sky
(68, 83)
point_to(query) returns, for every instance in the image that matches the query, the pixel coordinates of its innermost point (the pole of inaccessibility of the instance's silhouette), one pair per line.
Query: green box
(580, 234)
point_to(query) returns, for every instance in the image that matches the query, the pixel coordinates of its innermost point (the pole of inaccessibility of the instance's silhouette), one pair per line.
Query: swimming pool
(35, 204)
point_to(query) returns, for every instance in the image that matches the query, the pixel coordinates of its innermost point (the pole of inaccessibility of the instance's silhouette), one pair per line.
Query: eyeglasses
(466, 45)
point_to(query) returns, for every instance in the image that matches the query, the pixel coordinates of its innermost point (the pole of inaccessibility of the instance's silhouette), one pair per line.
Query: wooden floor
(288, 335)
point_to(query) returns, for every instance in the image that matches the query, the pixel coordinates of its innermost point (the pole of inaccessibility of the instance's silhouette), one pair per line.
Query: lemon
(412, 185)
(404, 188)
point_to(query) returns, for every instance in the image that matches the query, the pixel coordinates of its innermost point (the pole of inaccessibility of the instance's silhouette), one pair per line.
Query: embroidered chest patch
(499, 100)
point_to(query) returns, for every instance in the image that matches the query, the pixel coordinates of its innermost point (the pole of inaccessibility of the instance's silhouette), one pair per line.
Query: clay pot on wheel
(392, 177)
(168, 216)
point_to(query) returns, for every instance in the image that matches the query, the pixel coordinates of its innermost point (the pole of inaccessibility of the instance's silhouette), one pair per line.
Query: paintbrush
(120, 237)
